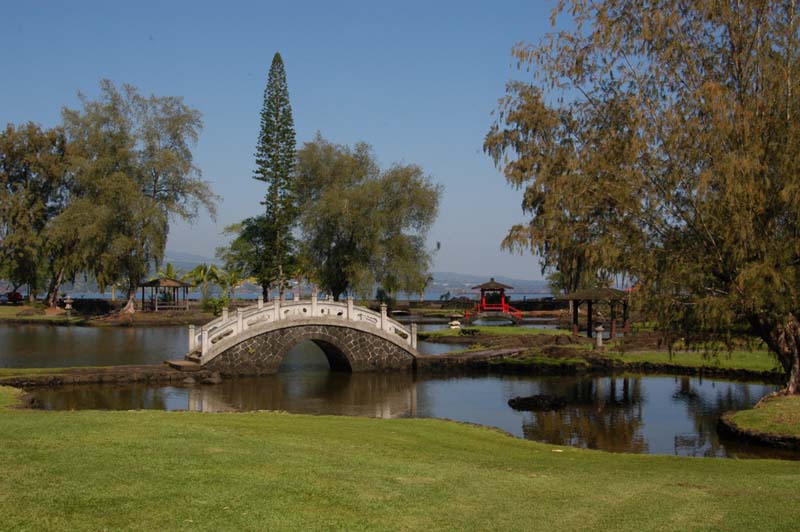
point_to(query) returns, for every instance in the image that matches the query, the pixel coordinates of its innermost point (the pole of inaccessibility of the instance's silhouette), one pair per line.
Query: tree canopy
(134, 171)
(363, 226)
(34, 185)
(660, 140)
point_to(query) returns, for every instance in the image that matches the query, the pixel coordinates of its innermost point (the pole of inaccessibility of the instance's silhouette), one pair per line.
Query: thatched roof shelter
(611, 296)
(166, 293)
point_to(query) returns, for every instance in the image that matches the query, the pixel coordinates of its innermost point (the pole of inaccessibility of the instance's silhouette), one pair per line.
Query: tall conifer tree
(275, 155)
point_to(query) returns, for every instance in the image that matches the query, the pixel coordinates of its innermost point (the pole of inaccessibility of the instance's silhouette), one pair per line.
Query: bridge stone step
(184, 365)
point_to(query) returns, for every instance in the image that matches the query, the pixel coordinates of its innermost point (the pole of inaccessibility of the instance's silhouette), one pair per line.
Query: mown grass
(537, 359)
(11, 313)
(16, 372)
(779, 414)
(755, 360)
(91, 470)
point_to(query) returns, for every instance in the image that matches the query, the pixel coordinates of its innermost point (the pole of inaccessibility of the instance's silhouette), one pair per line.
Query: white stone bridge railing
(234, 324)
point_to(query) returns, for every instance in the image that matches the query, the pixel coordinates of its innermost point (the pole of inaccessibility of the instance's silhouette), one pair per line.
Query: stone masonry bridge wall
(346, 348)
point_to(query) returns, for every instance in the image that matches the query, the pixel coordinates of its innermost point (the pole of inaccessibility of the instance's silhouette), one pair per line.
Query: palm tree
(203, 275)
(230, 279)
(171, 272)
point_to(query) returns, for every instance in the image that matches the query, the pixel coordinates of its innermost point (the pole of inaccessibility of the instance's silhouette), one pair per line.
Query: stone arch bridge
(254, 340)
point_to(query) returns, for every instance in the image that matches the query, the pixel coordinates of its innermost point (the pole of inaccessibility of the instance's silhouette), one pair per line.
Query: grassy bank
(24, 314)
(755, 360)
(778, 415)
(157, 470)
(739, 364)
(27, 314)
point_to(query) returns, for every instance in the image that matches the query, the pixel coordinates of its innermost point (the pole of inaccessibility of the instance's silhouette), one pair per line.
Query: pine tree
(275, 155)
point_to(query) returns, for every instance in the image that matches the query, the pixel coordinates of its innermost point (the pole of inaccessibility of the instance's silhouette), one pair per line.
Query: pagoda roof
(595, 294)
(164, 282)
(493, 285)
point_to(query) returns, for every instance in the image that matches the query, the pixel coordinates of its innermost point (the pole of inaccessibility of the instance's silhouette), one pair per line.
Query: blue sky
(417, 80)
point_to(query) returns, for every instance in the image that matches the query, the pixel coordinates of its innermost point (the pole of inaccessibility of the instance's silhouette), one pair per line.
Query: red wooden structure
(501, 307)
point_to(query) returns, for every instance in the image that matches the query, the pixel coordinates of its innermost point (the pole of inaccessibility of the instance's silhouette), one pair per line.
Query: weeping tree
(134, 173)
(361, 226)
(662, 137)
(34, 188)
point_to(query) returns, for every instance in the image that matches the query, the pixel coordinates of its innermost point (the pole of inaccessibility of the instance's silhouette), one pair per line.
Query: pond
(45, 346)
(632, 413)
(635, 413)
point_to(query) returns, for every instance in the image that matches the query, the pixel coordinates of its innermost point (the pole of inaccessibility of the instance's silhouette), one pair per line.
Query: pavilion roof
(164, 282)
(493, 285)
(595, 294)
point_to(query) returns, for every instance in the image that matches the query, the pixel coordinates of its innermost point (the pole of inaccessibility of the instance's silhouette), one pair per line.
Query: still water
(635, 414)
(44, 346)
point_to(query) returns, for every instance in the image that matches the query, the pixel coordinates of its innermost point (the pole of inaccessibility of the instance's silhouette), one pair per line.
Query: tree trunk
(130, 306)
(55, 286)
(784, 341)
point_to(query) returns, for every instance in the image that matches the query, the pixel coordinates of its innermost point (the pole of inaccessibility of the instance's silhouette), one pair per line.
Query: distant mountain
(460, 283)
(185, 262)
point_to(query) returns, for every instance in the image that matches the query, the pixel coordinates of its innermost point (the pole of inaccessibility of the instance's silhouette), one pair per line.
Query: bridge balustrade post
(239, 320)
(314, 303)
(414, 335)
(350, 313)
(192, 338)
(260, 302)
(383, 316)
(224, 314)
(277, 304)
(204, 341)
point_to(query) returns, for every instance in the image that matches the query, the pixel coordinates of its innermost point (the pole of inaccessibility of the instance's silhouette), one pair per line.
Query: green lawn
(10, 312)
(16, 372)
(757, 360)
(779, 414)
(90, 470)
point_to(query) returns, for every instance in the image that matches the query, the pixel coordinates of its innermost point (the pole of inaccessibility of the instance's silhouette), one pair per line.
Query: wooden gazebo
(177, 290)
(613, 297)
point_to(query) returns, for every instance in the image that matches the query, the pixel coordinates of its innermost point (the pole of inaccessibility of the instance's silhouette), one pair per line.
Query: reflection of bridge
(253, 340)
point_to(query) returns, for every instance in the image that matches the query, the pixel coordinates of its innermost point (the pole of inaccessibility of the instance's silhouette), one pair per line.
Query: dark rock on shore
(537, 403)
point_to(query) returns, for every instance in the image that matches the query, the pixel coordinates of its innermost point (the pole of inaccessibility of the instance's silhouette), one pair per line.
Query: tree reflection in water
(601, 413)
(631, 413)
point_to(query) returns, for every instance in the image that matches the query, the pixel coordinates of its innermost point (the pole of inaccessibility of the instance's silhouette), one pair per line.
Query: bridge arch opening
(314, 355)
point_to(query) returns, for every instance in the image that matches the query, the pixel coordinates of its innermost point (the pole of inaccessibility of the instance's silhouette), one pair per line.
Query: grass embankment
(755, 360)
(91, 470)
(775, 415)
(757, 364)
(36, 314)
(30, 314)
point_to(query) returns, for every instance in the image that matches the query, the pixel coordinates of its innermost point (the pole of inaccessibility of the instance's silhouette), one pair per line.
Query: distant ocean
(430, 295)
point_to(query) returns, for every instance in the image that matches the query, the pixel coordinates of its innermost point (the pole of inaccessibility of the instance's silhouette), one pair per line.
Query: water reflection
(637, 414)
(602, 413)
(44, 346)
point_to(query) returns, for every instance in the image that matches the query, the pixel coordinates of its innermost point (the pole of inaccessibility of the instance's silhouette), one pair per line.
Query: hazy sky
(417, 80)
